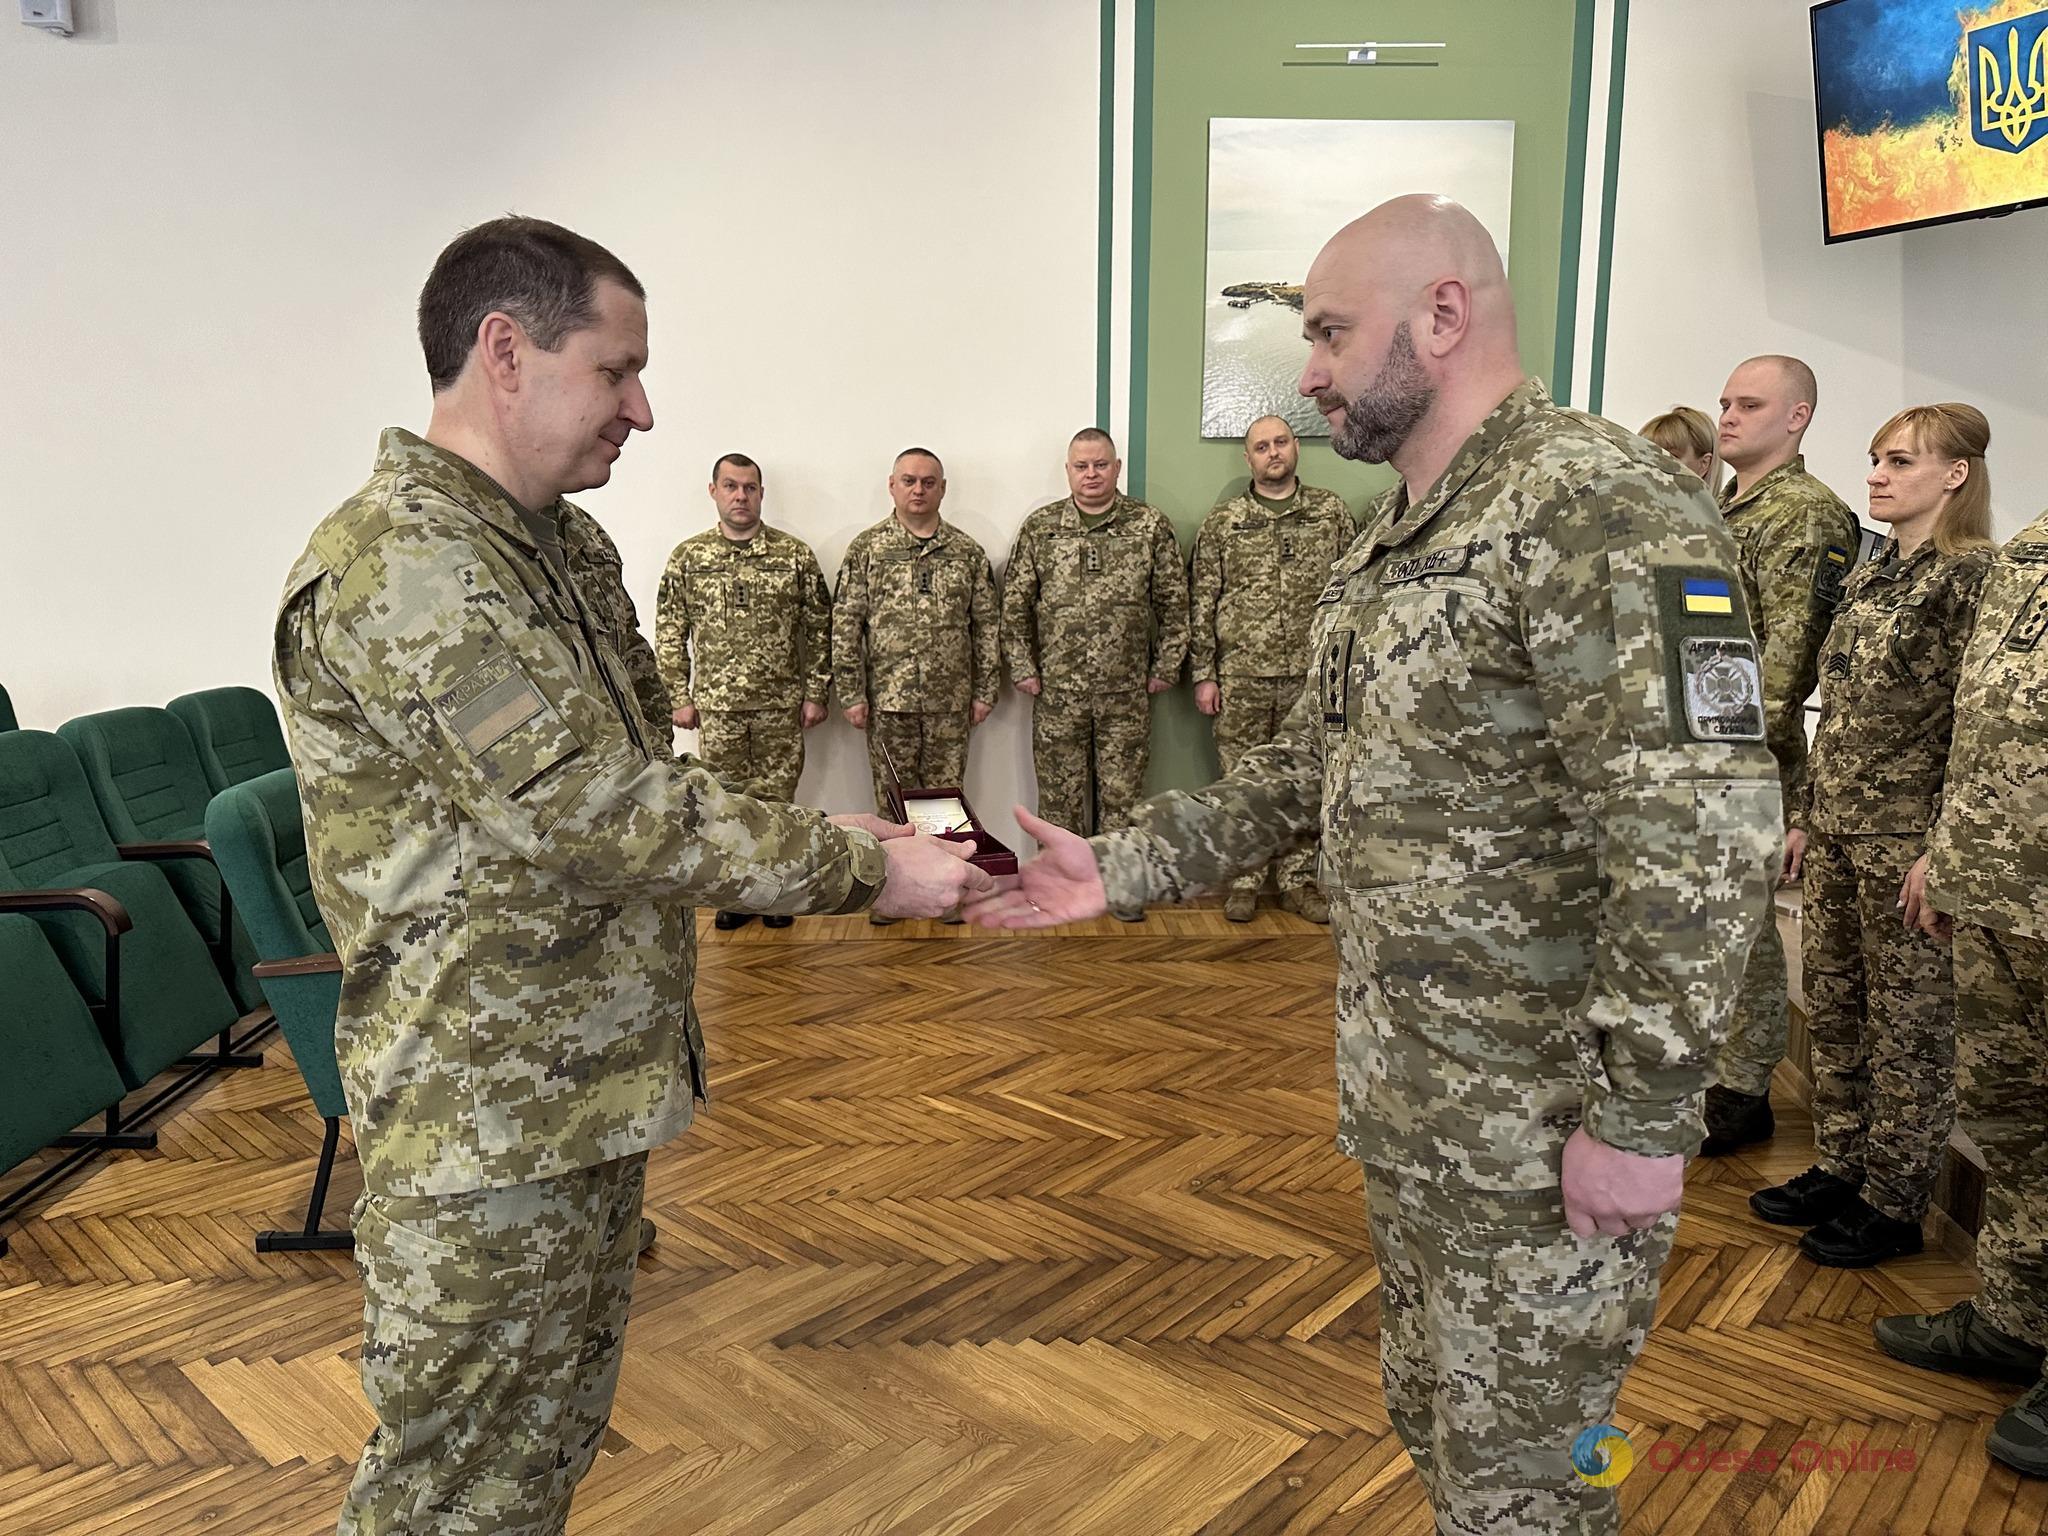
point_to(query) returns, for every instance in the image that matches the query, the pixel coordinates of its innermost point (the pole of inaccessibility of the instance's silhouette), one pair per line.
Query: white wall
(1718, 255)
(860, 226)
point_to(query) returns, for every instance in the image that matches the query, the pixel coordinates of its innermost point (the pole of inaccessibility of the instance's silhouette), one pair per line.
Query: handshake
(931, 877)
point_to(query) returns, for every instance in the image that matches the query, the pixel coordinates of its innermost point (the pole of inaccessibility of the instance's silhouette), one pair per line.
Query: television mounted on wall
(1928, 111)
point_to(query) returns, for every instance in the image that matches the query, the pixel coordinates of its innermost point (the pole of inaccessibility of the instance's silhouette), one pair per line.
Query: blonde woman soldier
(1688, 435)
(1879, 991)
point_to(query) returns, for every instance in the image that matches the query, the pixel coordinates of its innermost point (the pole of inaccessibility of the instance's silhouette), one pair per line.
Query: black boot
(1958, 1340)
(772, 921)
(2020, 1437)
(1860, 1236)
(1736, 1120)
(1813, 1197)
(725, 922)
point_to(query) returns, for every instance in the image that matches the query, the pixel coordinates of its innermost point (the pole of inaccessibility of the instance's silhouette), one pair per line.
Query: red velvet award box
(944, 812)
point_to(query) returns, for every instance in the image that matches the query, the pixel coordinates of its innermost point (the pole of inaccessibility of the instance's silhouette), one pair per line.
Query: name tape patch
(1436, 562)
(489, 702)
(1724, 689)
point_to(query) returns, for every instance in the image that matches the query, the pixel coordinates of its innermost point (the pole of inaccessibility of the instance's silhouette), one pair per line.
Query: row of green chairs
(111, 867)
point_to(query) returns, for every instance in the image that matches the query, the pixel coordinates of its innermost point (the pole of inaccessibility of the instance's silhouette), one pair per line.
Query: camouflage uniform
(600, 576)
(1092, 607)
(1253, 581)
(914, 637)
(505, 865)
(743, 631)
(1535, 751)
(1880, 997)
(1797, 542)
(1989, 870)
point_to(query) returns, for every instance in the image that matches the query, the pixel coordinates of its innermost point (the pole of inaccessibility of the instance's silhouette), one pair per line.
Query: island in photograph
(1278, 188)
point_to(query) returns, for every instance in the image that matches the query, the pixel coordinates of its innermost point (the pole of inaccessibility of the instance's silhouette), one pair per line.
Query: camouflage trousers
(758, 752)
(1502, 1336)
(1253, 708)
(1758, 1024)
(2002, 1079)
(1090, 751)
(493, 1324)
(929, 750)
(1882, 1008)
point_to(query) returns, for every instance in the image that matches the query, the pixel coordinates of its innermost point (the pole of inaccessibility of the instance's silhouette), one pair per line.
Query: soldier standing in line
(1986, 888)
(916, 653)
(506, 859)
(1095, 620)
(1532, 737)
(743, 636)
(1797, 542)
(1879, 993)
(1259, 564)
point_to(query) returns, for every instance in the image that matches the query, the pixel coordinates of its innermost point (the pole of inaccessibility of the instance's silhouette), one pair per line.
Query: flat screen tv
(1929, 110)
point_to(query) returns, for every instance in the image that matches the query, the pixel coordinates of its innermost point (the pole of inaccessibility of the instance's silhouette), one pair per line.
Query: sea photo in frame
(1278, 188)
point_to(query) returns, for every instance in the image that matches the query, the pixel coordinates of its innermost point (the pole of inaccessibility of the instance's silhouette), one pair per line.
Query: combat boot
(2020, 1437)
(725, 922)
(1736, 1120)
(1813, 1197)
(1306, 901)
(1859, 1236)
(875, 919)
(1239, 906)
(772, 921)
(1958, 1340)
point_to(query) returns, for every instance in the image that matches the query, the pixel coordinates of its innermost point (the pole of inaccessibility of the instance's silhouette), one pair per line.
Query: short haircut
(1248, 431)
(1798, 377)
(737, 461)
(1092, 435)
(919, 453)
(542, 275)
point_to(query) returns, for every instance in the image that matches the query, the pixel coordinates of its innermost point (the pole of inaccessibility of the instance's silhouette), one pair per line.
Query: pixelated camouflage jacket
(1095, 609)
(915, 622)
(1797, 542)
(503, 862)
(594, 565)
(759, 616)
(1253, 581)
(1532, 738)
(1988, 858)
(1887, 692)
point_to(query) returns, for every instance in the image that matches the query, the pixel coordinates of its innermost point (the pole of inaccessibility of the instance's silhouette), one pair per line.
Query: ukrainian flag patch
(1706, 595)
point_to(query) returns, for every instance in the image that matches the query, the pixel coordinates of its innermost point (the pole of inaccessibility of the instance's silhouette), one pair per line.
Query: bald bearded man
(1532, 738)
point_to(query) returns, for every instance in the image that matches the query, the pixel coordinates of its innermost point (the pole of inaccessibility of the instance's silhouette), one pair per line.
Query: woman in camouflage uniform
(1879, 992)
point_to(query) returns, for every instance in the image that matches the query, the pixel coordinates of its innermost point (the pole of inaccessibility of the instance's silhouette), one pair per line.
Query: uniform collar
(1400, 522)
(1073, 520)
(1730, 502)
(748, 549)
(404, 453)
(941, 535)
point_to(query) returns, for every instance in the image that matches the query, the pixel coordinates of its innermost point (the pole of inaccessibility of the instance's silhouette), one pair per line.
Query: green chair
(7, 720)
(235, 732)
(173, 1001)
(58, 1071)
(259, 840)
(152, 794)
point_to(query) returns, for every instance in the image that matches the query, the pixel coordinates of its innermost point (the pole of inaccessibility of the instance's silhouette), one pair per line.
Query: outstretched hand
(1061, 885)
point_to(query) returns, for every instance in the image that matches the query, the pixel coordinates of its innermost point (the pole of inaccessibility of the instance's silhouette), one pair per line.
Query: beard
(1387, 410)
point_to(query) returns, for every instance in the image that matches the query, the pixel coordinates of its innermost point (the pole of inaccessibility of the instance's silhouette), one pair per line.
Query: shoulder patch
(1829, 572)
(488, 702)
(1724, 690)
(1436, 562)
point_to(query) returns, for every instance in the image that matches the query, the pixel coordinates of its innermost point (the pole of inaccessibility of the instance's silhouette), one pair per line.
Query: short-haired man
(1796, 541)
(1259, 565)
(1095, 621)
(743, 632)
(506, 861)
(1534, 742)
(916, 655)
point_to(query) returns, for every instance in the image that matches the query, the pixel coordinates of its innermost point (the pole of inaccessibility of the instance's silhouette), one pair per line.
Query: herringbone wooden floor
(979, 1235)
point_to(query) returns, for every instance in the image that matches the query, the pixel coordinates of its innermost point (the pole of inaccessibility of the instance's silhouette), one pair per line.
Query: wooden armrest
(113, 917)
(183, 848)
(299, 965)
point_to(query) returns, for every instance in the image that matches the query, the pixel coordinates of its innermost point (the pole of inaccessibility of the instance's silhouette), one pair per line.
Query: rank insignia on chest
(1838, 664)
(1704, 594)
(1091, 559)
(1724, 690)
(739, 594)
(924, 581)
(1334, 677)
(1286, 546)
